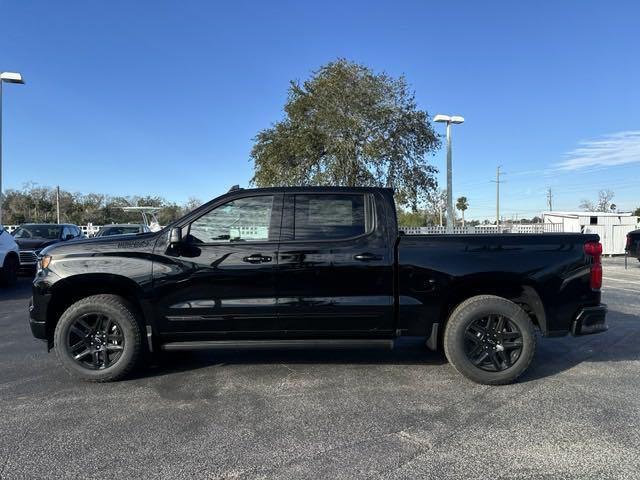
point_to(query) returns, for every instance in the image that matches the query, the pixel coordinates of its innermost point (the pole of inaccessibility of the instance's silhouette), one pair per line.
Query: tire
(112, 346)
(9, 273)
(484, 354)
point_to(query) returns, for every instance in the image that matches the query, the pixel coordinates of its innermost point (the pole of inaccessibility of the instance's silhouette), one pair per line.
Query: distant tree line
(34, 203)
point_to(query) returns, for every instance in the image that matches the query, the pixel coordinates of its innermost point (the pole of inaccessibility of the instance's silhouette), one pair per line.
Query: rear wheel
(9, 273)
(489, 339)
(98, 338)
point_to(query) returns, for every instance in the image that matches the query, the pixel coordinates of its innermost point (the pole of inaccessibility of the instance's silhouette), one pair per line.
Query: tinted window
(108, 231)
(49, 232)
(241, 220)
(326, 217)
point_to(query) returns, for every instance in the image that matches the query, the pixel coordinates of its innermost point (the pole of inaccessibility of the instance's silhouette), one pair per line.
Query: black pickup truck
(312, 267)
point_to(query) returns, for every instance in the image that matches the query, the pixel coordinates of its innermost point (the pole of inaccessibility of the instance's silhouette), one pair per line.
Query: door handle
(256, 258)
(367, 257)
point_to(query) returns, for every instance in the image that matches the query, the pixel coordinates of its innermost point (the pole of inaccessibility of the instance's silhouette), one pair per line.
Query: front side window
(329, 216)
(242, 220)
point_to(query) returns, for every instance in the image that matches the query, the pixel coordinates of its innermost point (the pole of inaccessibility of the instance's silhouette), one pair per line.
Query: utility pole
(58, 203)
(550, 199)
(497, 181)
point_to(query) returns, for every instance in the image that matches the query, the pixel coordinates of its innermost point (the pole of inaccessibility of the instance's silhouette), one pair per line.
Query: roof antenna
(234, 188)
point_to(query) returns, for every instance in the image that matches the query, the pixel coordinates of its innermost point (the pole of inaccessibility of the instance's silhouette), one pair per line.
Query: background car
(122, 229)
(9, 260)
(33, 237)
(633, 244)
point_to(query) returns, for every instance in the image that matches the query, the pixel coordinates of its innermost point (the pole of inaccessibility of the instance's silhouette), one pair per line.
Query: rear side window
(329, 216)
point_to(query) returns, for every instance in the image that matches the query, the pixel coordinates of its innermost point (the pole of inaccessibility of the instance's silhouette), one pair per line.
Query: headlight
(44, 261)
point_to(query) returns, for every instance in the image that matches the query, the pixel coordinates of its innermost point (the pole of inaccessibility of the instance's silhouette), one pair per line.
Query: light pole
(455, 119)
(9, 77)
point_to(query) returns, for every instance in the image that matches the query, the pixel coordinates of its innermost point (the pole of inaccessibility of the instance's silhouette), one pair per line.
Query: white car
(9, 258)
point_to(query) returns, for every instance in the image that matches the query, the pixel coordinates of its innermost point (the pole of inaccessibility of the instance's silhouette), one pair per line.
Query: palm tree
(462, 204)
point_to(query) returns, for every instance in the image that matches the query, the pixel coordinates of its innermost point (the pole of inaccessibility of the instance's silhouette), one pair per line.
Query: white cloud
(606, 151)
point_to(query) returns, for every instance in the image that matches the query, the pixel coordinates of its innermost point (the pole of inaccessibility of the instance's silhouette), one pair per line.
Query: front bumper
(590, 320)
(38, 314)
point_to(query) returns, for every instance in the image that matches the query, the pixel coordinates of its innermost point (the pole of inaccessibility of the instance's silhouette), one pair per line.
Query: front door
(335, 266)
(221, 282)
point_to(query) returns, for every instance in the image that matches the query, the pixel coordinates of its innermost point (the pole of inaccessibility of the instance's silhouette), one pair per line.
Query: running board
(385, 344)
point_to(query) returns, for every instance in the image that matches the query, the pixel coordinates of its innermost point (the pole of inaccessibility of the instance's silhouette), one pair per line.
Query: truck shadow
(410, 353)
(618, 344)
(553, 355)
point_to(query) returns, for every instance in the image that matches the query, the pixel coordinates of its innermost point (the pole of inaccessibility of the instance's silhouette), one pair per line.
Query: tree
(411, 219)
(192, 204)
(637, 212)
(347, 125)
(602, 205)
(436, 204)
(462, 204)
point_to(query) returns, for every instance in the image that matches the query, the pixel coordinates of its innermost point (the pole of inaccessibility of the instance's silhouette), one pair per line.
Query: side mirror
(175, 237)
(69, 236)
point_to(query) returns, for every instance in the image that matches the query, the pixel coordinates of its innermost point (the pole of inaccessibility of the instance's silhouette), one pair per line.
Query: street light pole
(9, 77)
(450, 217)
(455, 119)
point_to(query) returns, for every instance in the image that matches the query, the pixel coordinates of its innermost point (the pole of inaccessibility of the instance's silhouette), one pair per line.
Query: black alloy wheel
(489, 339)
(95, 341)
(493, 343)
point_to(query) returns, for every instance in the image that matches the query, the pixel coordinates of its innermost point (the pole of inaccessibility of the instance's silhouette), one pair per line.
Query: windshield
(48, 232)
(108, 231)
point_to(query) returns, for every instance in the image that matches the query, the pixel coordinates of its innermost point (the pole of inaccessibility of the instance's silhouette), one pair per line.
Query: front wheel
(98, 338)
(490, 340)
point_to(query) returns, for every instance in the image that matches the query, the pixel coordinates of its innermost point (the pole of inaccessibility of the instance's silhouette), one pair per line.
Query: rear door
(335, 266)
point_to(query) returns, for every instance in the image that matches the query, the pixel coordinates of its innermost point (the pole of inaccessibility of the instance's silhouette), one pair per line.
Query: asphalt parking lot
(269, 414)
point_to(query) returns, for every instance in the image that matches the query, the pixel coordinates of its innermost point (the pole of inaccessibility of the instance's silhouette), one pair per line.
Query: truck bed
(549, 271)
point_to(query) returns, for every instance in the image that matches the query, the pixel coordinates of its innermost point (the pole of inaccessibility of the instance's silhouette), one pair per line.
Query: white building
(612, 227)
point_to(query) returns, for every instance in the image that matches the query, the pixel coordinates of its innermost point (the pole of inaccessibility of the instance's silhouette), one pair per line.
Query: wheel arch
(66, 292)
(524, 294)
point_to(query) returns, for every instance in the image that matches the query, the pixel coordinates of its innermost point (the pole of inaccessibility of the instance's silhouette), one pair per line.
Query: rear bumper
(590, 320)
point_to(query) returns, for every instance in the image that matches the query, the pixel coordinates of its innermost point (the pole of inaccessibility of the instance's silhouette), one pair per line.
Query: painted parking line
(622, 281)
(605, 289)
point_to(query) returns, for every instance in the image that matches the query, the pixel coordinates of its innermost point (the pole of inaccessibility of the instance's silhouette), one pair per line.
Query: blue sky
(164, 97)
